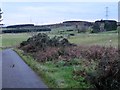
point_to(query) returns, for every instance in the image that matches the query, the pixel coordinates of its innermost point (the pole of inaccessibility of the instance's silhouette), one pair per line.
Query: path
(17, 74)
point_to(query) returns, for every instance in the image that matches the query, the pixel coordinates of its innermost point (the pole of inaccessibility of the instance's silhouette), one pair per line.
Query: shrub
(101, 65)
(106, 76)
(42, 41)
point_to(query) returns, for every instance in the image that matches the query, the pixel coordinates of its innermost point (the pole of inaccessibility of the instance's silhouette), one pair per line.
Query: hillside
(79, 26)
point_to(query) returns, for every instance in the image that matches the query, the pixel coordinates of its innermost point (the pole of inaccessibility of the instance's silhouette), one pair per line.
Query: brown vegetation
(107, 72)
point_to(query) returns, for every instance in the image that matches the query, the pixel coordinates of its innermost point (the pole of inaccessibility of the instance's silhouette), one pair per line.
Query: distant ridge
(80, 26)
(20, 25)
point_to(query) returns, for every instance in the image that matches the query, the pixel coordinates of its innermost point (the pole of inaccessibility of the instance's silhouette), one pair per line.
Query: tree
(0, 14)
(110, 25)
(96, 28)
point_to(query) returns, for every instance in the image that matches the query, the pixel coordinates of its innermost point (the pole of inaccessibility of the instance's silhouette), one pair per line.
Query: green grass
(102, 38)
(56, 75)
(13, 39)
(81, 39)
(96, 39)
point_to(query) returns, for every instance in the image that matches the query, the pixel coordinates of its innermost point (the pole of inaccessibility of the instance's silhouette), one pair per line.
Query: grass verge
(56, 75)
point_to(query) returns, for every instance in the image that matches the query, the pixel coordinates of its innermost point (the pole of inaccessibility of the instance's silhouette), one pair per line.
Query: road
(17, 74)
(0, 70)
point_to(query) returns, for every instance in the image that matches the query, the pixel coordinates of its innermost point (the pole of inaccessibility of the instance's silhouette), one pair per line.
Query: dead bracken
(105, 75)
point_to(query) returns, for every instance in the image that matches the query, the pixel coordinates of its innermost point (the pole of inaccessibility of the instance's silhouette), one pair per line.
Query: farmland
(96, 39)
(80, 39)
(9, 40)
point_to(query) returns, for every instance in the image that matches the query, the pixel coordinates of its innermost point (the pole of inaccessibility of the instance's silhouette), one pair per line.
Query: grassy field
(105, 39)
(9, 40)
(96, 39)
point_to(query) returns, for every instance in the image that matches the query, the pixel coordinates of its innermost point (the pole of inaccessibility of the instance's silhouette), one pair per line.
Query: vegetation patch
(102, 39)
(9, 40)
(56, 74)
(66, 63)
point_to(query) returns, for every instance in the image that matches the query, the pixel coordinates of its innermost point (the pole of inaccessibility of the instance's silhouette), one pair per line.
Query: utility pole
(107, 8)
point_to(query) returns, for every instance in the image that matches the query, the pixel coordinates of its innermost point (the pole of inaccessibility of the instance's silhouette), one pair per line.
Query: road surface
(0, 70)
(17, 74)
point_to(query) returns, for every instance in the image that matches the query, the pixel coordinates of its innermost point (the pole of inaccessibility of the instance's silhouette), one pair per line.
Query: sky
(41, 13)
(119, 11)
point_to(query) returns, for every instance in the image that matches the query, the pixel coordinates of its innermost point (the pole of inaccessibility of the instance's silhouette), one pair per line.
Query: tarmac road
(17, 74)
(0, 70)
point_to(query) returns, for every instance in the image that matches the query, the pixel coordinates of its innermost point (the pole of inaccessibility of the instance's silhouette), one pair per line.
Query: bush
(106, 76)
(103, 62)
(96, 28)
(42, 41)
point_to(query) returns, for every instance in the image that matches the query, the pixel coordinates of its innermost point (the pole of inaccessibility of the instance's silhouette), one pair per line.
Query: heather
(98, 65)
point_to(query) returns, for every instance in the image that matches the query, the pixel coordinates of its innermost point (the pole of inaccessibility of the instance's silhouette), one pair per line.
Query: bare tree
(0, 15)
(0, 21)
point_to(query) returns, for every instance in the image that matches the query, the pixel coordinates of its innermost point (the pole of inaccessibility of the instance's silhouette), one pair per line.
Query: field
(105, 39)
(9, 40)
(96, 39)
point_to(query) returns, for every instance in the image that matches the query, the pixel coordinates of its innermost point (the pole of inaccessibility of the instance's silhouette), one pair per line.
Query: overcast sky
(56, 12)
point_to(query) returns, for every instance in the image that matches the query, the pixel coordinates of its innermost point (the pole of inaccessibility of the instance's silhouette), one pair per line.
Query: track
(17, 74)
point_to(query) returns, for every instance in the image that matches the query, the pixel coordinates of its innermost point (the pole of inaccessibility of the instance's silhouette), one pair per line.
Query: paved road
(16, 74)
(0, 70)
